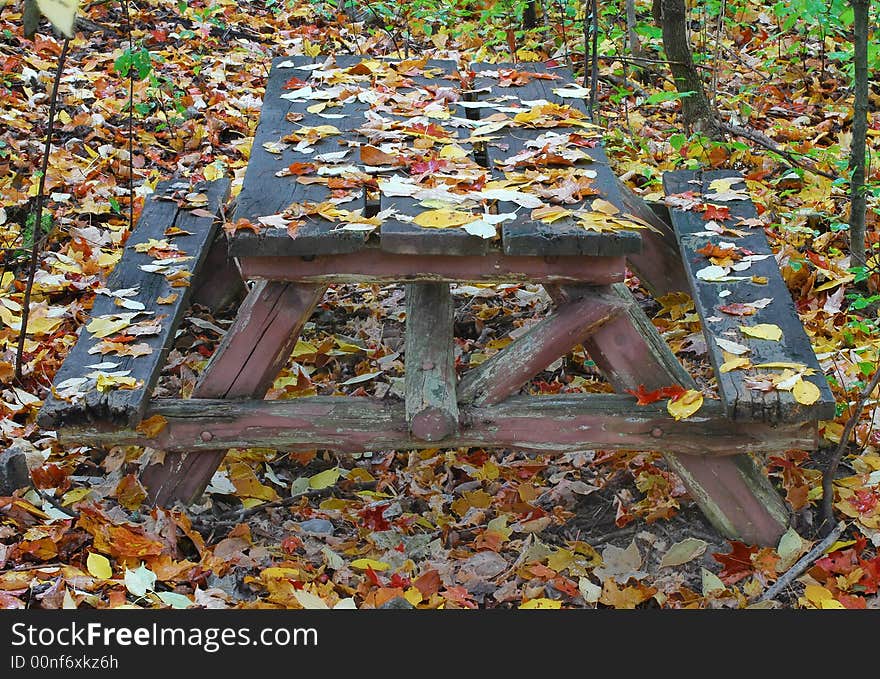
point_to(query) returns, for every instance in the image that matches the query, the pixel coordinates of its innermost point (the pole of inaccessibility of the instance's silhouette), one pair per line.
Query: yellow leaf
(213, 172)
(820, 597)
(542, 604)
(75, 495)
(800, 367)
(766, 331)
(152, 426)
(443, 219)
(62, 14)
(550, 213)
(685, 405)
(304, 348)
(167, 300)
(452, 152)
(99, 566)
(413, 595)
(363, 564)
(736, 363)
(805, 392)
(603, 206)
(833, 284)
(247, 485)
(324, 479)
(106, 382)
(107, 325)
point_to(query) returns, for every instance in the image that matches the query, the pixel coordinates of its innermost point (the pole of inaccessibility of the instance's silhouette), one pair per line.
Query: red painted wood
(251, 354)
(725, 480)
(373, 265)
(547, 424)
(504, 373)
(219, 284)
(630, 353)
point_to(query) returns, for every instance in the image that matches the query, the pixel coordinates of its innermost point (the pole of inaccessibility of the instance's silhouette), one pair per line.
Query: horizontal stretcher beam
(545, 424)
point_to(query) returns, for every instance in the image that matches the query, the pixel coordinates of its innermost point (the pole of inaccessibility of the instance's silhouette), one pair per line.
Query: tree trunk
(635, 45)
(698, 113)
(858, 204)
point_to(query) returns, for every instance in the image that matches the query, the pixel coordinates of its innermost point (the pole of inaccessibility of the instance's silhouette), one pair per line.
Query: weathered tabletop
(418, 158)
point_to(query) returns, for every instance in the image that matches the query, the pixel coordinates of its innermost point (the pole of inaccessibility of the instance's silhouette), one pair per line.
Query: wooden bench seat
(85, 394)
(720, 302)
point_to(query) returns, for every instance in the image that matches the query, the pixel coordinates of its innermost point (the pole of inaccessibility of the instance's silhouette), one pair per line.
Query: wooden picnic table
(424, 173)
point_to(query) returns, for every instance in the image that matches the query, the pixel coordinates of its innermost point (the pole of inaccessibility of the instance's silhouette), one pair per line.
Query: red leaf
(373, 518)
(716, 212)
(737, 564)
(737, 309)
(428, 583)
(646, 397)
(372, 577)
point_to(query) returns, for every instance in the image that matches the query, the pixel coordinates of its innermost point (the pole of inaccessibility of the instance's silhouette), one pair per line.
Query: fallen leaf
(685, 405)
(805, 393)
(682, 552)
(98, 566)
(765, 331)
(443, 218)
(152, 426)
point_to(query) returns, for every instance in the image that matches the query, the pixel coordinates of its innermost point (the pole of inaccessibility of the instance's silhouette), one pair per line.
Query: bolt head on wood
(427, 365)
(656, 432)
(206, 436)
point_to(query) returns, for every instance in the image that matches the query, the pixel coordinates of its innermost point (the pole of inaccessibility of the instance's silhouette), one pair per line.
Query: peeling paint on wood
(547, 424)
(431, 407)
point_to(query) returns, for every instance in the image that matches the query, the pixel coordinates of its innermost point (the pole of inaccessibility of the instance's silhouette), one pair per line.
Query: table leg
(248, 359)
(731, 490)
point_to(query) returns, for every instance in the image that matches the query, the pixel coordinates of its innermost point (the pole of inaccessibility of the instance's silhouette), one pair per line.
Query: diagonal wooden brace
(505, 372)
(429, 379)
(248, 359)
(733, 493)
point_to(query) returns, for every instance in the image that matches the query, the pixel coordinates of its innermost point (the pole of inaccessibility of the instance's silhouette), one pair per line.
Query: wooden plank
(658, 264)
(542, 424)
(429, 378)
(248, 359)
(732, 492)
(506, 371)
(263, 193)
(372, 265)
(126, 406)
(404, 237)
(220, 284)
(524, 236)
(794, 346)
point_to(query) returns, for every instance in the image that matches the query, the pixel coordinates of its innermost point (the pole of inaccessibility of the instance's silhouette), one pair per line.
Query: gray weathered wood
(263, 193)
(405, 237)
(658, 264)
(545, 424)
(794, 347)
(372, 265)
(431, 406)
(126, 406)
(506, 371)
(220, 284)
(524, 236)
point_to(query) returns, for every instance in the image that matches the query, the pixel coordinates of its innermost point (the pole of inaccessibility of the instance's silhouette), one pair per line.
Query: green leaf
(140, 580)
(659, 97)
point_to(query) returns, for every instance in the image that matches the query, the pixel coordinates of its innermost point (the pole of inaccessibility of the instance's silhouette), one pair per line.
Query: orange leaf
(370, 155)
(152, 426)
(716, 212)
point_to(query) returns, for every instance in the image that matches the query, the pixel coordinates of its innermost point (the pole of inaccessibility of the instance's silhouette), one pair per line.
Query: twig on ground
(239, 515)
(831, 469)
(765, 141)
(72, 513)
(802, 564)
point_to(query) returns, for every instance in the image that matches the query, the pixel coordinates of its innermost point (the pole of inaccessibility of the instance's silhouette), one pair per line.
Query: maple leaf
(711, 212)
(737, 563)
(373, 516)
(646, 397)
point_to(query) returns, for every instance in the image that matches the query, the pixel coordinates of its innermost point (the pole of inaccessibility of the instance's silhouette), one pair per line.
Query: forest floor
(434, 528)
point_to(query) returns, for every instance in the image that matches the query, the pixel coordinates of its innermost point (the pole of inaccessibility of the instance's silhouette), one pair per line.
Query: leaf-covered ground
(434, 528)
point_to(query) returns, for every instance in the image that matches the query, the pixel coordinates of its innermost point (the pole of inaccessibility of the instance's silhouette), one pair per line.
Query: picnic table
(427, 174)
